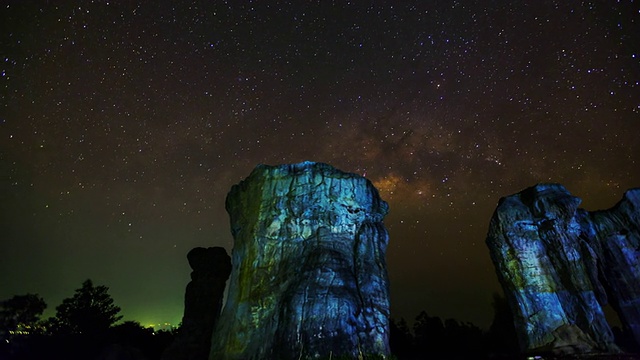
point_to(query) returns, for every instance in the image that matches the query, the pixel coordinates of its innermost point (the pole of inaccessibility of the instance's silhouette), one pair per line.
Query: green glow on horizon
(160, 320)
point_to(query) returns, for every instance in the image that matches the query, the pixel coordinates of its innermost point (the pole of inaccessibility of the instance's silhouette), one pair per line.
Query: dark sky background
(123, 126)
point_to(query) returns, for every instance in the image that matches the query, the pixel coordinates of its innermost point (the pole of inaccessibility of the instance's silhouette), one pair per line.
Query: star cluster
(123, 125)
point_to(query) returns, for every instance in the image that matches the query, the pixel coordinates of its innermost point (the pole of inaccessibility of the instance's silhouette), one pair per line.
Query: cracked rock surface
(309, 277)
(559, 265)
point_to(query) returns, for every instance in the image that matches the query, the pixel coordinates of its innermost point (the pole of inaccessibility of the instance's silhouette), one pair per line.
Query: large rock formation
(614, 235)
(309, 277)
(202, 303)
(559, 265)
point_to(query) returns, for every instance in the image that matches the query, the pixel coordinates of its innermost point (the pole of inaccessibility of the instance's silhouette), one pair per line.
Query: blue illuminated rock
(614, 235)
(309, 277)
(559, 265)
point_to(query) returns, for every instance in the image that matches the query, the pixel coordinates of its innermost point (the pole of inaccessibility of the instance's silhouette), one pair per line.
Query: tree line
(85, 326)
(431, 337)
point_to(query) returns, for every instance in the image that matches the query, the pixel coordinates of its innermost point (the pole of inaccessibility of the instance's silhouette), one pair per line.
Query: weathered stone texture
(309, 277)
(558, 265)
(614, 235)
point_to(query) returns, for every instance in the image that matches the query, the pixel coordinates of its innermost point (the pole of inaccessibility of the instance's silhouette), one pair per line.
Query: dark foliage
(20, 313)
(462, 340)
(434, 339)
(90, 311)
(429, 334)
(128, 341)
(83, 328)
(502, 336)
(401, 339)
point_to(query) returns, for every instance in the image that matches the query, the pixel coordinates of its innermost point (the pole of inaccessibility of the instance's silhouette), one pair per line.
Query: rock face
(615, 237)
(309, 277)
(559, 265)
(202, 303)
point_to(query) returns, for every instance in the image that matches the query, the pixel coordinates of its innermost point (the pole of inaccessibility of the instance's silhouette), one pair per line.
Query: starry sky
(124, 125)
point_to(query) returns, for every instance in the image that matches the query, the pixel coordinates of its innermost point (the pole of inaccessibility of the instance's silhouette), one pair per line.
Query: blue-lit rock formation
(614, 236)
(309, 278)
(202, 304)
(559, 265)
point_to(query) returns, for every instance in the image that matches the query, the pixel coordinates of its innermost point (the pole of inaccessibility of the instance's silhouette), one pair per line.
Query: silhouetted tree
(400, 339)
(20, 312)
(89, 311)
(502, 337)
(429, 334)
(83, 328)
(462, 340)
(435, 339)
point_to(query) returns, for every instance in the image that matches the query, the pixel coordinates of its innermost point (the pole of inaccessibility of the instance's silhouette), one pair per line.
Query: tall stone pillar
(309, 276)
(202, 304)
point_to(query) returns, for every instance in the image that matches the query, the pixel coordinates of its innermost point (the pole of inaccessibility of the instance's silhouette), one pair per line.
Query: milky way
(123, 126)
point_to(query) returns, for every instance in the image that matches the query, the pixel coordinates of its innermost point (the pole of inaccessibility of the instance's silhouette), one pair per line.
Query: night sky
(123, 127)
